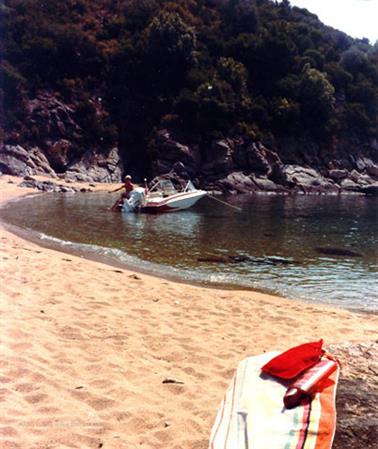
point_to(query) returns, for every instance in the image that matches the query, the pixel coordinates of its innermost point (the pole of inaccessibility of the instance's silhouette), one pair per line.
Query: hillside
(223, 86)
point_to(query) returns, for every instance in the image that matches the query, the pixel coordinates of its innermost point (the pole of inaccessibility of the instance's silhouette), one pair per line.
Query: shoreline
(86, 348)
(27, 235)
(111, 261)
(123, 260)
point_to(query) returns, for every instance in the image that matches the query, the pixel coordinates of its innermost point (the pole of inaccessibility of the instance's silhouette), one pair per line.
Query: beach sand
(85, 348)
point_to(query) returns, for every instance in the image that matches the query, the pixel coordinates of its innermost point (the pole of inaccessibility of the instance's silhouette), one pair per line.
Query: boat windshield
(189, 187)
(165, 186)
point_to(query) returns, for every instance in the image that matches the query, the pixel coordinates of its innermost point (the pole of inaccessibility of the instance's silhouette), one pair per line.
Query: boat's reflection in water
(185, 223)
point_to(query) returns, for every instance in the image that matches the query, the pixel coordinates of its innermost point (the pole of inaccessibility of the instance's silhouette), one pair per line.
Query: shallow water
(268, 227)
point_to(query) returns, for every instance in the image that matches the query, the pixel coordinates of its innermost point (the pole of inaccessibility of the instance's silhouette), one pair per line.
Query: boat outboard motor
(135, 200)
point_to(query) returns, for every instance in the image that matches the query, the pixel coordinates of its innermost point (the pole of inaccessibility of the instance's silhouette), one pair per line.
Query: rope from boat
(239, 209)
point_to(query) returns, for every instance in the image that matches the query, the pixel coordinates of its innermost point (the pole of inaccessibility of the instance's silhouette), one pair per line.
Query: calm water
(268, 226)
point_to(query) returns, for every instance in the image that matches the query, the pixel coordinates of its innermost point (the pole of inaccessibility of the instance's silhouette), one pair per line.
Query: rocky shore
(263, 171)
(357, 396)
(238, 163)
(243, 165)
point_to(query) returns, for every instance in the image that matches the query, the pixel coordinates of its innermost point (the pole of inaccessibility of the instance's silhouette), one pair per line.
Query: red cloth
(294, 361)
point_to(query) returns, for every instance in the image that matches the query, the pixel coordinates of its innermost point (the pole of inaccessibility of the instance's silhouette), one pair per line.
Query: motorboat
(162, 197)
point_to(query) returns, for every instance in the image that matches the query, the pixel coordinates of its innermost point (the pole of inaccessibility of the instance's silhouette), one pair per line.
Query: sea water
(271, 245)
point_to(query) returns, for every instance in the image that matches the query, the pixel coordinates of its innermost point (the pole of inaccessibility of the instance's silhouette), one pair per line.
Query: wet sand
(85, 348)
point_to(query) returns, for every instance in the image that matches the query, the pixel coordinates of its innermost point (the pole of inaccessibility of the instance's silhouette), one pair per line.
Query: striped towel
(252, 414)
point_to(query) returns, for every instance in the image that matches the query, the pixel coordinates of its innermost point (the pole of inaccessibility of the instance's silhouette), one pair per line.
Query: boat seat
(169, 192)
(154, 194)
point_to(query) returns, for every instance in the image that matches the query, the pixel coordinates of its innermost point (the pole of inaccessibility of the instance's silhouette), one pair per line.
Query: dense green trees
(169, 50)
(316, 96)
(201, 67)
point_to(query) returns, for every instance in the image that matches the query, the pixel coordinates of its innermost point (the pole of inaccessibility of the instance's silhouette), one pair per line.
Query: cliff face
(53, 141)
(240, 164)
(237, 164)
(246, 95)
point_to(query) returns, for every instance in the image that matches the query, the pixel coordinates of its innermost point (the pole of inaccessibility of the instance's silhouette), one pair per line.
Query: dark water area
(275, 239)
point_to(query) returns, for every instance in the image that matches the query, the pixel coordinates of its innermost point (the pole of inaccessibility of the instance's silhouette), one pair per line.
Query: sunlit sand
(86, 347)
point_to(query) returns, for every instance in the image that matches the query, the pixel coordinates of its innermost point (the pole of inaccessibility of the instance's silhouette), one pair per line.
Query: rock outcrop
(238, 163)
(96, 167)
(357, 396)
(91, 167)
(308, 180)
(56, 142)
(52, 117)
(16, 160)
(169, 151)
(241, 165)
(219, 159)
(50, 186)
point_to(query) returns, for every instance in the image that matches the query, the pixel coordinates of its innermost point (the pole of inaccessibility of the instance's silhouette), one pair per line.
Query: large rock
(219, 159)
(96, 167)
(349, 185)
(256, 160)
(275, 173)
(169, 151)
(237, 182)
(56, 127)
(60, 153)
(357, 396)
(362, 179)
(51, 117)
(15, 160)
(363, 163)
(372, 170)
(367, 165)
(48, 186)
(337, 174)
(263, 183)
(308, 180)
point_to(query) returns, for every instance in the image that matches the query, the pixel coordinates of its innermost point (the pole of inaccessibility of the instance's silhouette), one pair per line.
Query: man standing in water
(128, 186)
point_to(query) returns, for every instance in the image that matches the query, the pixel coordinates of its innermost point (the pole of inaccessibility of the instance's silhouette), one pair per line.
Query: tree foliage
(208, 65)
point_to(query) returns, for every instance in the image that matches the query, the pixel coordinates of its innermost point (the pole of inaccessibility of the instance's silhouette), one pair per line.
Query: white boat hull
(173, 203)
(159, 201)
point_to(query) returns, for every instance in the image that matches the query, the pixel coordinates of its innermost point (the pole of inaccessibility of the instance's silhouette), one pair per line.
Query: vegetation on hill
(205, 68)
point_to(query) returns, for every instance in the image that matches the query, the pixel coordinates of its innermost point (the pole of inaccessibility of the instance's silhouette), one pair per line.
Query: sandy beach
(85, 348)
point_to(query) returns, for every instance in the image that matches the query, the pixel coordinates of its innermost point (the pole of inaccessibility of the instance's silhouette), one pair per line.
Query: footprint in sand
(36, 398)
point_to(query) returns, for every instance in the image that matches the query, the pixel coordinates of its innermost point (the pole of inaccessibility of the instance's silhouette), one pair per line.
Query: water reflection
(185, 224)
(286, 227)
